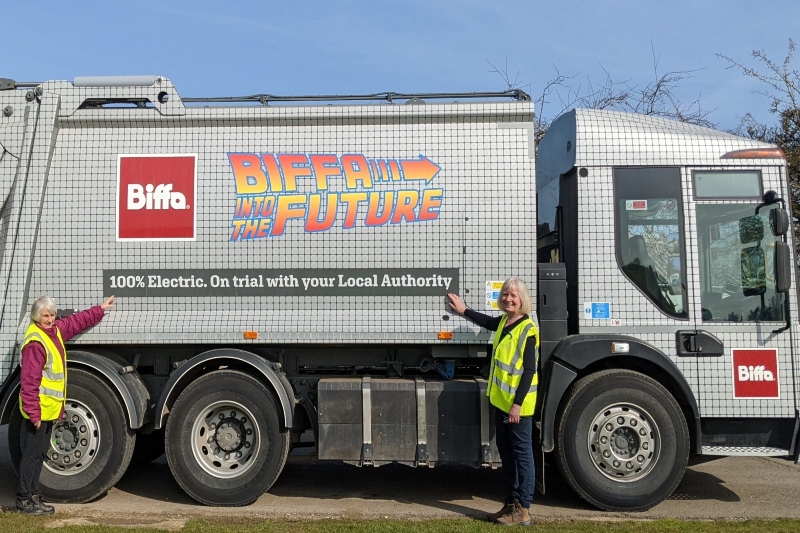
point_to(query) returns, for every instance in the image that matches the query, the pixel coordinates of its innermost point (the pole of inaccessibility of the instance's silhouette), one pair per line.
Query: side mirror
(782, 262)
(779, 222)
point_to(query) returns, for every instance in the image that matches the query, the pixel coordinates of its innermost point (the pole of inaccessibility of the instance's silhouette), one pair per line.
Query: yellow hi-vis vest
(507, 367)
(52, 391)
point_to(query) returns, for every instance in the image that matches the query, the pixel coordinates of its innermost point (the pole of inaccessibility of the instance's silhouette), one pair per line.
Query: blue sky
(226, 48)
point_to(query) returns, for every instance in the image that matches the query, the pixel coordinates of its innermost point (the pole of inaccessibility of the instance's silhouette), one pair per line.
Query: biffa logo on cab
(755, 373)
(156, 197)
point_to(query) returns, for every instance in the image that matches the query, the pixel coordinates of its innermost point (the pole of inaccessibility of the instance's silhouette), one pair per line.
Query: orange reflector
(755, 153)
(251, 335)
(445, 335)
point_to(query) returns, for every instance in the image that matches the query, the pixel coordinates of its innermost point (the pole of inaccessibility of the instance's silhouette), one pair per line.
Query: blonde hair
(526, 306)
(42, 303)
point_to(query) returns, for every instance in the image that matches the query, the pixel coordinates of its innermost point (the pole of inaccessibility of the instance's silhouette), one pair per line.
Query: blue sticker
(597, 310)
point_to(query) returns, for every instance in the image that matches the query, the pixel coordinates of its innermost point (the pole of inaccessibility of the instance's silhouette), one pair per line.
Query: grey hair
(42, 303)
(526, 305)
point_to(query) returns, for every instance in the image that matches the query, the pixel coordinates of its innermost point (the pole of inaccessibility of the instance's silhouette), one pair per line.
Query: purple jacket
(34, 355)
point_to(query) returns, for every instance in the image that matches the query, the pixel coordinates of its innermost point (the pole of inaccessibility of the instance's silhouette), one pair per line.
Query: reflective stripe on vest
(507, 367)
(52, 390)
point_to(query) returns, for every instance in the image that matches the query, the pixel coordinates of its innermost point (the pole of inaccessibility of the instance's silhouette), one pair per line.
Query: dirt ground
(731, 488)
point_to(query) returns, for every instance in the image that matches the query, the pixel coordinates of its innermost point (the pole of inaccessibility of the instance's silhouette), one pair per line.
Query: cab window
(737, 270)
(649, 237)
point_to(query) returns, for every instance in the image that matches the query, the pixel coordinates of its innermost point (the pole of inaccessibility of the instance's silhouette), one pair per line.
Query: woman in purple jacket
(42, 392)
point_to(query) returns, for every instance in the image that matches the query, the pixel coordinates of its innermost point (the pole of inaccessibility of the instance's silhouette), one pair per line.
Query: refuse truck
(282, 263)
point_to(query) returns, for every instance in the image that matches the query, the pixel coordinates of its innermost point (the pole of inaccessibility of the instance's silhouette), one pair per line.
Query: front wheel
(623, 443)
(224, 442)
(90, 447)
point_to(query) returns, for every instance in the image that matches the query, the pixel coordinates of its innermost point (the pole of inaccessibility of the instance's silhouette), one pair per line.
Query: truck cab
(676, 250)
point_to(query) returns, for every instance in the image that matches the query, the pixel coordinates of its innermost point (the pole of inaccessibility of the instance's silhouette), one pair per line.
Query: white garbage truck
(282, 263)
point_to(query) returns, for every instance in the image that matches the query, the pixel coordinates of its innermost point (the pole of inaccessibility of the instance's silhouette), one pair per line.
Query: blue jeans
(516, 451)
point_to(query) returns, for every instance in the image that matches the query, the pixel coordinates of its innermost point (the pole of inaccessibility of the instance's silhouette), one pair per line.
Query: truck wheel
(622, 443)
(91, 445)
(225, 444)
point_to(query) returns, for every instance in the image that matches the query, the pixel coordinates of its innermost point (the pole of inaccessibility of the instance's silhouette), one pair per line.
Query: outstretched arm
(485, 321)
(81, 321)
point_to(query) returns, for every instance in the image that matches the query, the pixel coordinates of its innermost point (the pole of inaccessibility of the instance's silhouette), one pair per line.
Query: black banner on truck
(153, 283)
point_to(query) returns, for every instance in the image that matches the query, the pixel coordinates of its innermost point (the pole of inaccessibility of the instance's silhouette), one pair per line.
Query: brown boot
(518, 516)
(507, 508)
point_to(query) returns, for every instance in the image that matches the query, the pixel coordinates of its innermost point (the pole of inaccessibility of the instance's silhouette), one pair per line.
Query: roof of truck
(591, 137)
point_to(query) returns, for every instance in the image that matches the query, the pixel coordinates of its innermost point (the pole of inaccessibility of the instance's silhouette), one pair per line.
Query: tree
(562, 93)
(782, 88)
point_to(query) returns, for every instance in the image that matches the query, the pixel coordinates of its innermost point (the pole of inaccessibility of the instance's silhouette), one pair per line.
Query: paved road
(733, 487)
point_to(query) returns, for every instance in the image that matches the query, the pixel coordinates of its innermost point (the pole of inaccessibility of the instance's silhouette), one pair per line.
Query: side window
(737, 271)
(650, 237)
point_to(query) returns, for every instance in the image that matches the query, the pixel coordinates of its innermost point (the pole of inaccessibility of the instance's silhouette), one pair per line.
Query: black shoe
(37, 500)
(29, 507)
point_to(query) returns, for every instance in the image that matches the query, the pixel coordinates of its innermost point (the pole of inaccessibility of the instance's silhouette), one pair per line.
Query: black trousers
(34, 444)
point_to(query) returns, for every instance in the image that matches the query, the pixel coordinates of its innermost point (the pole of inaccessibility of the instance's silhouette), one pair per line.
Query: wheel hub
(74, 441)
(623, 442)
(229, 434)
(226, 437)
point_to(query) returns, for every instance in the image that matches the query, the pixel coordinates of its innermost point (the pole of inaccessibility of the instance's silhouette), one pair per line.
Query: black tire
(622, 441)
(149, 447)
(225, 443)
(91, 445)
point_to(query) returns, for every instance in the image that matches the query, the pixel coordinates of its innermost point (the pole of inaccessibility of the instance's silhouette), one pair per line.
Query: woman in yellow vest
(512, 393)
(43, 388)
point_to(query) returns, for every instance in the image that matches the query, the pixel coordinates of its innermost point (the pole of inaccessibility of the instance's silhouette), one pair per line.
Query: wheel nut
(66, 459)
(243, 420)
(642, 432)
(212, 426)
(221, 416)
(645, 445)
(82, 429)
(609, 427)
(77, 454)
(629, 465)
(633, 423)
(84, 442)
(620, 420)
(616, 464)
(249, 431)
(227, 456)
(606, 454)
(640, 458)
(603, 440)
(233, 414)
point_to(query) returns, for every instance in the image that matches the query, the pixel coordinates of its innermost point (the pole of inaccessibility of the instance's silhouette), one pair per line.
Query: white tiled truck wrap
(305, 224)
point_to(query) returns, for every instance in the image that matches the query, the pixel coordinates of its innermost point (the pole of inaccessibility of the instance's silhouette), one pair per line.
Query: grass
(15, 523)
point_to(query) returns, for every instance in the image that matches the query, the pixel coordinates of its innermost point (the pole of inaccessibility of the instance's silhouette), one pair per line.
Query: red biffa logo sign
(156, 197)
(755, 373)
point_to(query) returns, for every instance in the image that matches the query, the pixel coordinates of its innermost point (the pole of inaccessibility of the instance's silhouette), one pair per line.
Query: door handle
(698, 343)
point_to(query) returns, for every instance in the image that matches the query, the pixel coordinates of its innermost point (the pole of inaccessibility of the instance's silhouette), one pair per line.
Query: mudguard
(195, 366)
(577, 352)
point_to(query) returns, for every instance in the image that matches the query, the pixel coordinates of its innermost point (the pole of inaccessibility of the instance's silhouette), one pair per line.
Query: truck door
(740, 342)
